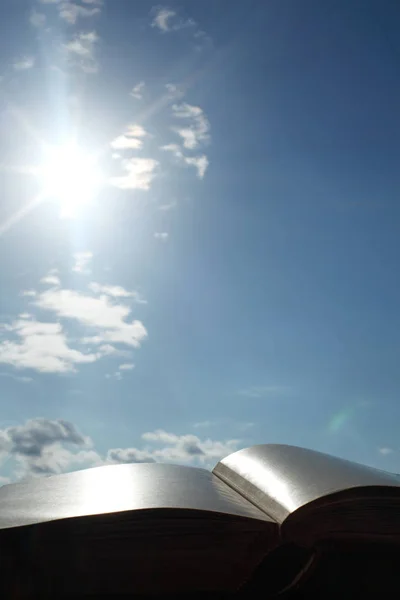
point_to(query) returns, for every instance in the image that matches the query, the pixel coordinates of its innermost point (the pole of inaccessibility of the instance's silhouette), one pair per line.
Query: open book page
(117, 488)
(280, 479)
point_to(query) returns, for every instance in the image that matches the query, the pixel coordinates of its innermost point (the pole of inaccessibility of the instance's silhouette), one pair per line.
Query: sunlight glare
(70, 176)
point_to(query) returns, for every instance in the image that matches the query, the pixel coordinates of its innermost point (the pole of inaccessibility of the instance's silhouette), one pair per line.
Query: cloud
(167, 20)
(107, 319)
(51, 279)
(37, 19)
(187, 448)
(385, 451)
(81, 51)
(45, 346)
(131, 140)
(116, 291)
(174, 91)
(168, 206)
(140, 173)
(24, 63)
(161, 236)
(41, 346)
(162, 18)
(263, 391)
(196, 132)
(137, 91)
(82, 261)
(21, 378)
(205, 424)
(28, 293)
(126, 367)
(44, 446)
(199, 162)
(30, 439)
(71, 12)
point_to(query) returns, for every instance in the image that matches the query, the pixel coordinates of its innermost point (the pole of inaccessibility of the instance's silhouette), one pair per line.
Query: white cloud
(126, 367)
(19, 378)
(168, 206)
(204, 424)
(385, 451)
(188, 448)
(167, 20)
(263, 391)
(51, 279)
(161, 236)
(116, 291)
(138, 89)
(28, 293)
(44, 447)
(162, 19)
(174, 91)
(42, 347)
(24, 63)
(199, 162)
(71, 12)
(37, 19)
(197, 130)
(131, 139)
(107, 319)
(140, 173)
(82, 51)
(82, 262)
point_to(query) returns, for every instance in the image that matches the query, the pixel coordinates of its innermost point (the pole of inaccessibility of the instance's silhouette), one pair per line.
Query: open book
(263, 519)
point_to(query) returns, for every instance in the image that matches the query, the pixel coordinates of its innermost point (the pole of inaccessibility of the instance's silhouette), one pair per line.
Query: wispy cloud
(82, 262)
(81, 51)
(104, 325)
(197, 127)
(163, 236)
(263, 391)
(107, 319)
(137, 90)
(19, 378)
(71, 11)
(126, 367)
(116, 291)
(41, 346)
(51, 278)
(201, 162)
(385, 451)
(175, 91)
(167, 20)
(139, 174)
(131, 140)
(37, 19)
(24, 63)
(162, 18)
(168, 206)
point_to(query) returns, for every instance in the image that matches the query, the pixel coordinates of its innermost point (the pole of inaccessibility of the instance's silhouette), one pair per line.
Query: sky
(199, 231)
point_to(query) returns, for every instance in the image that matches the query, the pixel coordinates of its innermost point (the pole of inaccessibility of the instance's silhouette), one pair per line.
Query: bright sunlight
(70, 176)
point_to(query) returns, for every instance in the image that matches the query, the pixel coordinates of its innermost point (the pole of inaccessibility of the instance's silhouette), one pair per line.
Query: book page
(117, 488)
(280, 479)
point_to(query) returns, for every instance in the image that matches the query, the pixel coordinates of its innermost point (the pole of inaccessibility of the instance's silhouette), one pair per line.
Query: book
(271, 519)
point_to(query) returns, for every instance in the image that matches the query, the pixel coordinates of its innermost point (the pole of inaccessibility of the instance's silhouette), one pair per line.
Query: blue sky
(199, 231)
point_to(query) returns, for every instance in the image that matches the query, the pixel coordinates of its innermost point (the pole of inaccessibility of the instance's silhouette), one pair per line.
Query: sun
(70, 176)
